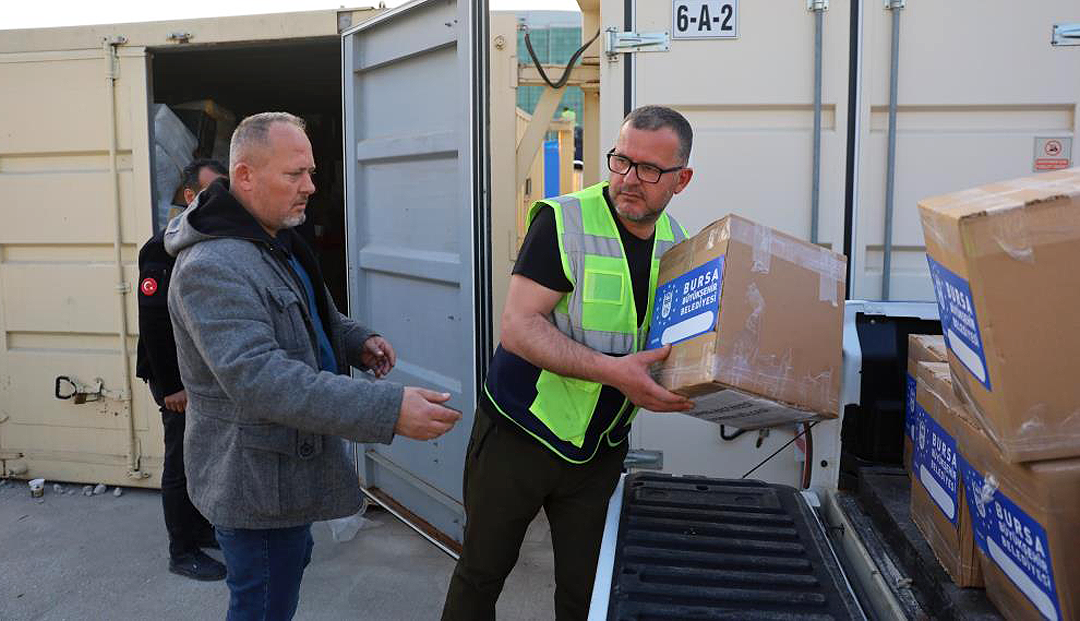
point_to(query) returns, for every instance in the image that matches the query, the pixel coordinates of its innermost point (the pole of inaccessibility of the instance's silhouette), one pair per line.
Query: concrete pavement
(103, 557)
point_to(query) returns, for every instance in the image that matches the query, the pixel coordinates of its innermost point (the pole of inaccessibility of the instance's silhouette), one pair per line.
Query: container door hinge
(630, 42)
(644, 459)
(1066, 34)
(817, 5)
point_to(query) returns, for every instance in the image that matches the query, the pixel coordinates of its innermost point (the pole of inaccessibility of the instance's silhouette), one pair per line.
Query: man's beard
(294, 221)
(643, 218)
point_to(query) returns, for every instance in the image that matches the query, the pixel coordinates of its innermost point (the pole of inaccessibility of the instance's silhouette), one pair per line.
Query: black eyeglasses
(621, 165)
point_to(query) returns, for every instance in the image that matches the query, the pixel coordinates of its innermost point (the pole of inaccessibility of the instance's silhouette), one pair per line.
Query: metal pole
(890, 172)
(815, 190)
(109, 48)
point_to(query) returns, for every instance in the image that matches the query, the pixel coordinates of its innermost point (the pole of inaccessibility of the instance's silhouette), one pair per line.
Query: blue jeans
(265, 568)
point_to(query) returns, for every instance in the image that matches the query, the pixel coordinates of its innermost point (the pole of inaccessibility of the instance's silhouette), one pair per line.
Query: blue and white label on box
(688, 305)
(933, 462)
(909, 411)
(958, 322)
(1014, 541)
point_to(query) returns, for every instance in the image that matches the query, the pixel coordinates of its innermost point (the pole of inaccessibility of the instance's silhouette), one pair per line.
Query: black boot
(197, 566)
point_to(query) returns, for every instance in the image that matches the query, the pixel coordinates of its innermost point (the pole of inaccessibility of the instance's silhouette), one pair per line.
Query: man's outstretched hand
(421, 417)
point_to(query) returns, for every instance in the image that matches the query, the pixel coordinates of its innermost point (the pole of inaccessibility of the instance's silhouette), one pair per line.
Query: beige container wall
(978, 82)
(58, 307)
(750, 102)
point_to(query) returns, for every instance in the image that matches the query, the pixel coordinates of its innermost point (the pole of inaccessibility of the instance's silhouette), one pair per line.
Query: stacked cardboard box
(921, 348)
(756, 322)
(1025, 519)
(1003, 258)
(1003, 262)
(938, 507)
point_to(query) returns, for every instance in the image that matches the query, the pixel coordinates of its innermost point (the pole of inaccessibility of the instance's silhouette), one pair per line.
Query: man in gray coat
(264, 356)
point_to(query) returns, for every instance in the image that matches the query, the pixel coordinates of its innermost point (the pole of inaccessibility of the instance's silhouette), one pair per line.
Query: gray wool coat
(265, 442)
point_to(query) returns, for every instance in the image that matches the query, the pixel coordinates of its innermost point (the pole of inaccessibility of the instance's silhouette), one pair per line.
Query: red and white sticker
(1052, 153)
(148, 286)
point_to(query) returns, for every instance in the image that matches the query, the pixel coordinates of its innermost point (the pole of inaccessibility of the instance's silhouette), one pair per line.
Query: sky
(49, 13)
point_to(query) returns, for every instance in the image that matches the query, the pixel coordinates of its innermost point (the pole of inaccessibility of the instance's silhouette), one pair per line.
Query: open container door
(415, 174)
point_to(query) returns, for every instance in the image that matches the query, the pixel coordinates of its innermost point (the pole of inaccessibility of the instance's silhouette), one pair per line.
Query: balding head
(272, 168)
(251, 137)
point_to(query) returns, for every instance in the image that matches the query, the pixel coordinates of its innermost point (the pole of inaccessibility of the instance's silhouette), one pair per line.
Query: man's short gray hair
(652, 118)
(253, 132)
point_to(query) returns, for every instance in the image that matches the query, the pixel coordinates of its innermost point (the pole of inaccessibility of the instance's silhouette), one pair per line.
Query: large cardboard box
(1026, 520)
(1004, 261)
(921, 348)
(755, 318)
(938, 507)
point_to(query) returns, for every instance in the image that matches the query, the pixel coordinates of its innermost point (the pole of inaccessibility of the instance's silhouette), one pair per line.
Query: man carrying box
(569, 374)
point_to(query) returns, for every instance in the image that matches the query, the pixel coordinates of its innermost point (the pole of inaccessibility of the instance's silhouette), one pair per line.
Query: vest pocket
(565, 405)
(602, 286)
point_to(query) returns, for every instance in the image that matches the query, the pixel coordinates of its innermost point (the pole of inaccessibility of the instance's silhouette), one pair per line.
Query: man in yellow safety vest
(569, 373)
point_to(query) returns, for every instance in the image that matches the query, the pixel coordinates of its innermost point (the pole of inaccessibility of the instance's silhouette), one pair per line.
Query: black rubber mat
(699, 548)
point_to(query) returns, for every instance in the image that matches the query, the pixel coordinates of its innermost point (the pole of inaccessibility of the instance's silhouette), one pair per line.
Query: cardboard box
(1003, 258)
(1026, 521)
(921, 348)
(938, 506)
(756, 319)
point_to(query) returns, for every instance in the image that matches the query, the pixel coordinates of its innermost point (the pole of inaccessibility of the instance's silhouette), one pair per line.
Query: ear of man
(242, 177)
(685, 175)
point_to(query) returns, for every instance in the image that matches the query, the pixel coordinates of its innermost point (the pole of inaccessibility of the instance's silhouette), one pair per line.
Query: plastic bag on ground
(344, 529)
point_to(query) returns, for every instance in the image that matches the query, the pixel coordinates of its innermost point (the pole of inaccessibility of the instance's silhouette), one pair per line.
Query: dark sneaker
(197, 566)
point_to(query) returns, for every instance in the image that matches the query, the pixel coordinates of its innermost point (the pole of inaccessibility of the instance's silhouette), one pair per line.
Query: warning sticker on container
(933, 462)
(909, 410)
(1014, 541)
(688, 305)
(1052, 153)
(957, 311)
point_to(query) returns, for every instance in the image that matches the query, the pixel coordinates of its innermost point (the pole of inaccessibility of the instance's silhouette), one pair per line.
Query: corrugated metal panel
(976, 85)
(414, 178)
(698, 548)
(58, 278)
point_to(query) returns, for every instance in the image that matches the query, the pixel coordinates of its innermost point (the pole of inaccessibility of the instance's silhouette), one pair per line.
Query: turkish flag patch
(148, 286)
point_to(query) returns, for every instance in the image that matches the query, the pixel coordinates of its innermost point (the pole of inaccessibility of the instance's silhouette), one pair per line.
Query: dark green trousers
(509, 477)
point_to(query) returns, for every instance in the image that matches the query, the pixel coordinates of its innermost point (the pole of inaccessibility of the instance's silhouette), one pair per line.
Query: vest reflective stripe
(595, 339)
(593, 244)
(576, 242)
(599, 312)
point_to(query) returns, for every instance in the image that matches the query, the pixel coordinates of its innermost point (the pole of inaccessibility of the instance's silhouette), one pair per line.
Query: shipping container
(76, 176)
(826, 121)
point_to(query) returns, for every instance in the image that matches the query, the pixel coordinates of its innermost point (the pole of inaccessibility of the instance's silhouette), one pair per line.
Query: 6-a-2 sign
(704, 19)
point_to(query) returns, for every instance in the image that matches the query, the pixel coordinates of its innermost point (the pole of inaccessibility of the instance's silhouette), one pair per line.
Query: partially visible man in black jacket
(188, 529)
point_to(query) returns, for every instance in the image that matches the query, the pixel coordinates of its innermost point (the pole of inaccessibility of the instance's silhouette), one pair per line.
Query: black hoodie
(218, 214)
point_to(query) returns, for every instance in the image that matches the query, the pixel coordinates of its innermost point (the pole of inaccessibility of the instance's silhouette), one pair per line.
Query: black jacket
(156, 360)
